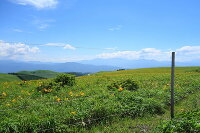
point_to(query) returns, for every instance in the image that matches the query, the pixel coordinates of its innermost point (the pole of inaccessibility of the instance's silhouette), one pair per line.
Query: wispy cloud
(65, 46)
(185, 53)
(14, 50)
(39, 4)
(115, 48)
(17, 30)
(42, 24)
(118, 27)
(20, 31)
(68, 46)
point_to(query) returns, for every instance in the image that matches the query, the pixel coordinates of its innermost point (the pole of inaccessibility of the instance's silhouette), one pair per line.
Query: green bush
(127, 84)
(186, 122)
(135, 106)
(65, 79)
(48, 86)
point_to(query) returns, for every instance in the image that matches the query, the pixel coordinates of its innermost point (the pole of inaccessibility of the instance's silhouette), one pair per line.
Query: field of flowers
(51, 105)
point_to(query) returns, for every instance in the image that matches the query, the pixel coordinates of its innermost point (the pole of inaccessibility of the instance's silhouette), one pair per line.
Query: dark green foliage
(197, 70)
(127, 84)
(56, 83)
(138, 106)
(48, 86)
(65, 79)
(186, 122)
(77, 74)
(120, 69)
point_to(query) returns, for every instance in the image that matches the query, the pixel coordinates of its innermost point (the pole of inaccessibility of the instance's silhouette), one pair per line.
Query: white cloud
(68, 46)
(17, 30)
(110, 48)
(189, 50)
(54, 44)
(188, 53)
(65, 46)
(21, 31)
(39, 4)
(42, 24)
(185, 53)
(15, 50)
(118, 27)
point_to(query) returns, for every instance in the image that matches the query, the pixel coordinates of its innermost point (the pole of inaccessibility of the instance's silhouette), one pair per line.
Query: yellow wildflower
(7, 104)
(14, 100)
(4, 94)
(58, 99)
(73, 113)
(82, 93)
(47, 90)
(70, 93)
(120, 89)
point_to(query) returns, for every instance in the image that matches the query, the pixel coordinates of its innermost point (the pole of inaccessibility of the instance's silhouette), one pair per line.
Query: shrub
(135, 106)
(127, 84)
(65, 79)
(186, 122)
(48, 86)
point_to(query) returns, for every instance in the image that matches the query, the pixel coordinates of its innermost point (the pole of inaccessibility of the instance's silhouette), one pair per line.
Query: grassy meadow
(7, 77)
(119, 101)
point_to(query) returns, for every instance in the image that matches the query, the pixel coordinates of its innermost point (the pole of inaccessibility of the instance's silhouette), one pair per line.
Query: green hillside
(40, 73)
(8, 77)
(34, 75)
(151, 70)
(119, 101)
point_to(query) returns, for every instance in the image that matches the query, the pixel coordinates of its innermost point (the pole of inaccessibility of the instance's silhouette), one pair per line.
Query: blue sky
(67, 30)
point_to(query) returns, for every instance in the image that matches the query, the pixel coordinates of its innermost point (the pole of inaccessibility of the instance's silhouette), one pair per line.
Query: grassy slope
(27, 75)
(40, 73)
(149, 70)
(8, 77)
(92, 84)
(148, 123)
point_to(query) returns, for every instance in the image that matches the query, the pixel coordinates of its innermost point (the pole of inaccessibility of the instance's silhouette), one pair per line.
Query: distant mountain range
(9, 66)
(133, 64)
(91, 66)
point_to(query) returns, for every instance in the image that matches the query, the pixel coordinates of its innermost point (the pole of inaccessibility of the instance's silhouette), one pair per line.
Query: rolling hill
(7, 77)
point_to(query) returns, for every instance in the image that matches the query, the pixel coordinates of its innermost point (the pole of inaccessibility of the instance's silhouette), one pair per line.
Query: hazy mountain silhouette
(7, 66)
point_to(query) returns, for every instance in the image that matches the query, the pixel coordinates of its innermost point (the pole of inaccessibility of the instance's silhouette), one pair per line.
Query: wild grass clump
(137, 106)
(186, 122)
(48, 86)
(56, 83)
(127, 84)
(65, 79)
